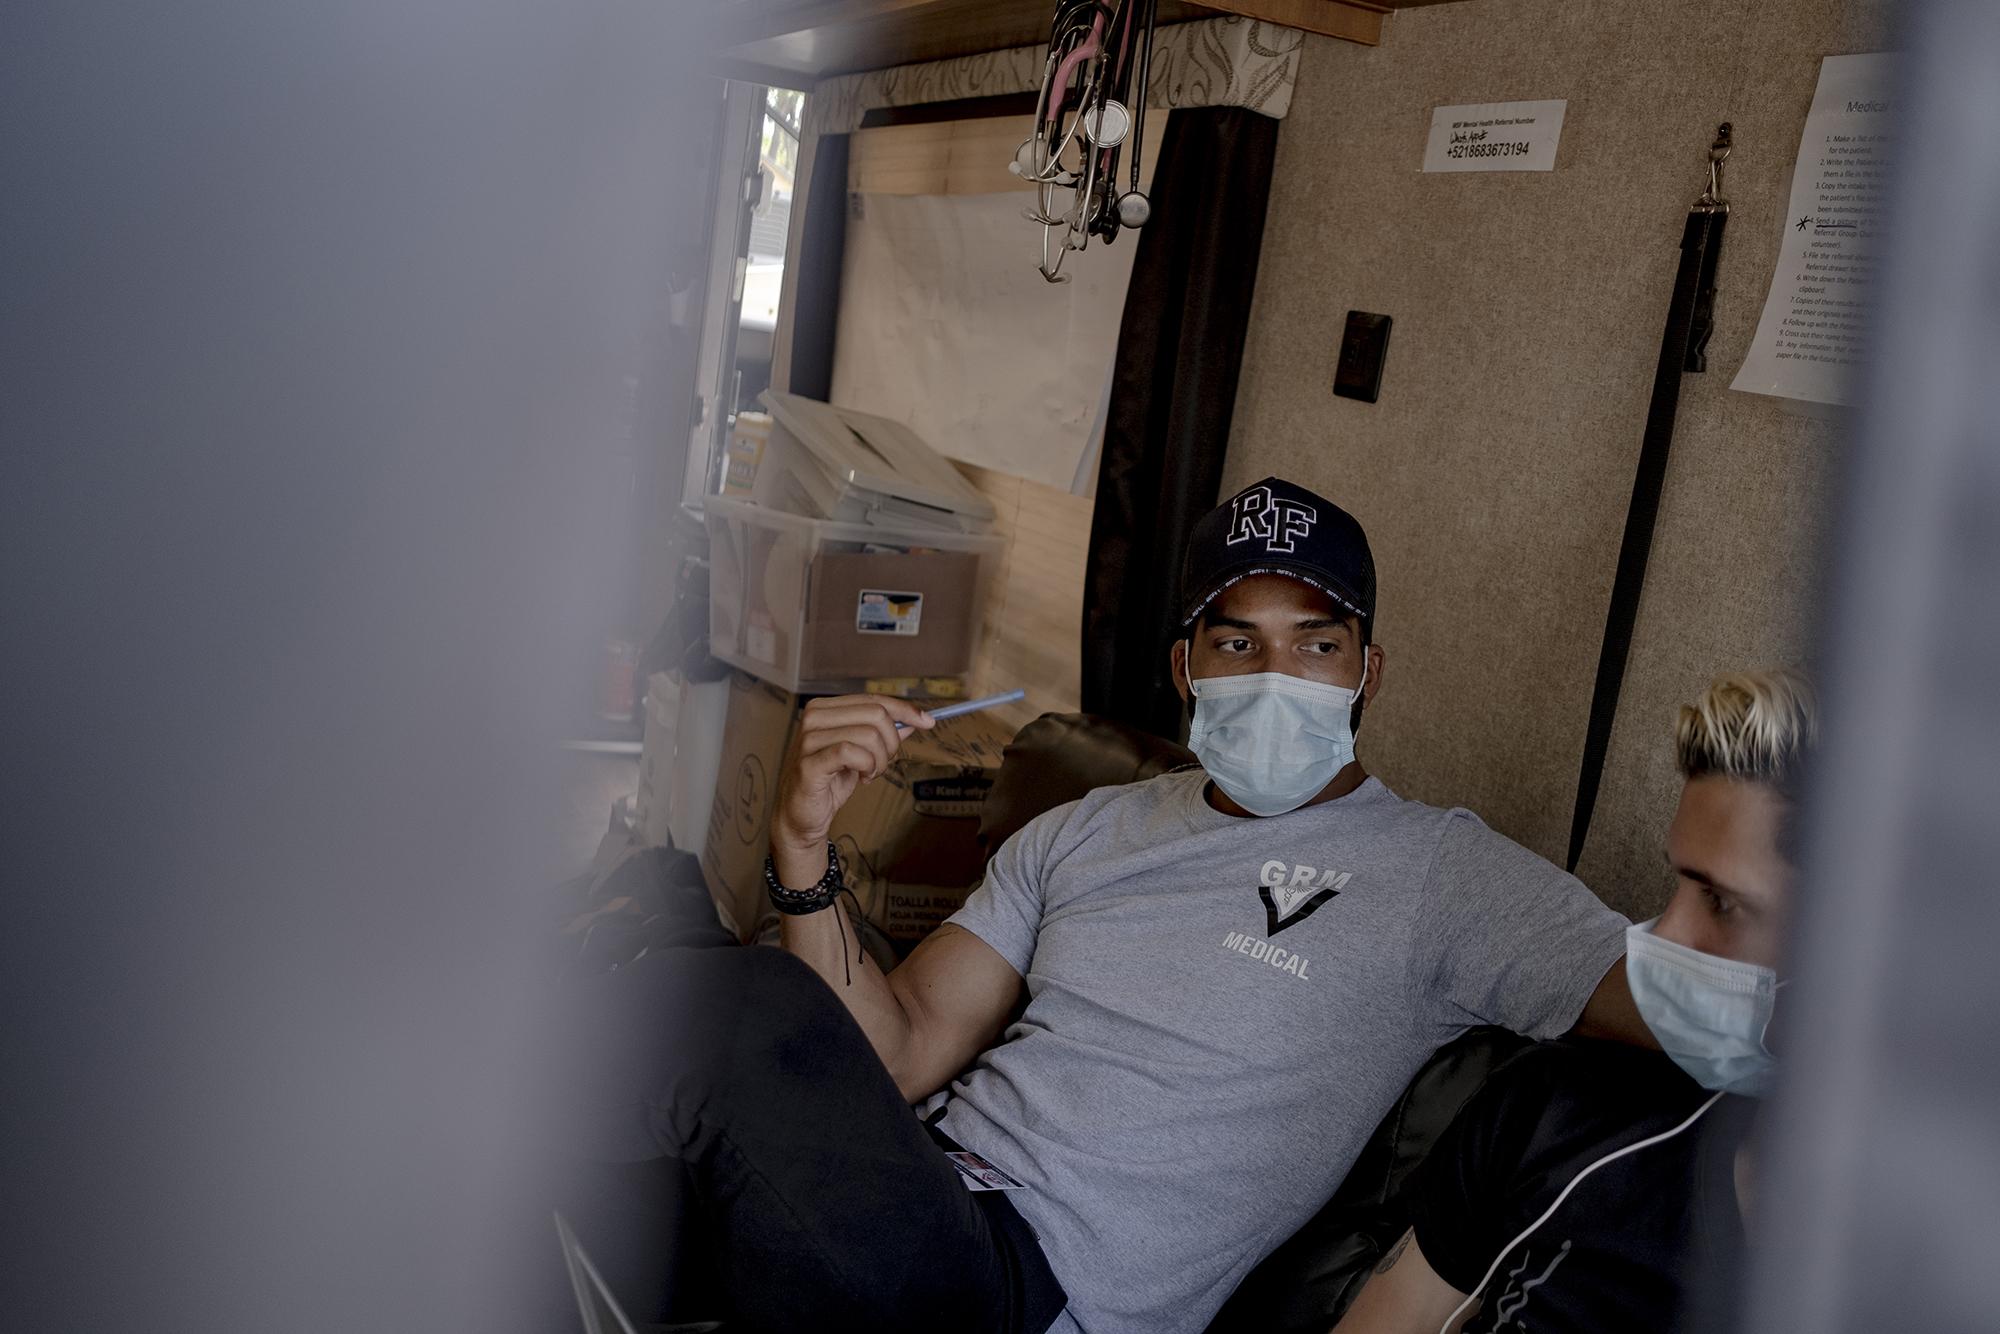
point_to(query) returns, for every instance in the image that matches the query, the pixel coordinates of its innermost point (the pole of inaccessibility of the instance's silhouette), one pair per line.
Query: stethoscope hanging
(1091, 110)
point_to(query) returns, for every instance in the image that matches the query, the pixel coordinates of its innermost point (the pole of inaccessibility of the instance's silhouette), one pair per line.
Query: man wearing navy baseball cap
(1169, 1018)
(1273, 722)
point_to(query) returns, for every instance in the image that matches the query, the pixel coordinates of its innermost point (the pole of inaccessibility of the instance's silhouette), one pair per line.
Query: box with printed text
(755, 733)
(911, 838)
(820, 607)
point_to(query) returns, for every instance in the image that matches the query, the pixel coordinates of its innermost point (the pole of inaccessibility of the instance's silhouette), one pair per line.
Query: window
(770, 223)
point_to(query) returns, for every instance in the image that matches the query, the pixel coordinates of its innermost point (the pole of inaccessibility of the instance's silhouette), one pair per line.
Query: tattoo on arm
(1388, 1261)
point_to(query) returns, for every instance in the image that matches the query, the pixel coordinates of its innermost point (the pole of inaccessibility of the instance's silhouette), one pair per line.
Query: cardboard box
(820, 607)
(755, 733)
(908, 913)
(891, 614)
(910, 838)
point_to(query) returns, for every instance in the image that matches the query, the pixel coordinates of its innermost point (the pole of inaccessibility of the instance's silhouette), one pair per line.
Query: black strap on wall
(1690, 320)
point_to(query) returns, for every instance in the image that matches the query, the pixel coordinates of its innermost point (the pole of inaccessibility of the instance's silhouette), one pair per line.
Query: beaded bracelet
(798, 902)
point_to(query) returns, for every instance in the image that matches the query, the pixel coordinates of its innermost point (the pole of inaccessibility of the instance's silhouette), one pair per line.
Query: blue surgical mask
(1269, 740)
(1709, 1013)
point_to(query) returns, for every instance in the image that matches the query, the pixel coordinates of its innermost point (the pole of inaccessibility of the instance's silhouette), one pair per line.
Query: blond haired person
(1496, 1244)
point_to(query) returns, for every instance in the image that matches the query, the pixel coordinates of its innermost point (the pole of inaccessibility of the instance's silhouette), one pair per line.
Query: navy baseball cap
(1278, 527)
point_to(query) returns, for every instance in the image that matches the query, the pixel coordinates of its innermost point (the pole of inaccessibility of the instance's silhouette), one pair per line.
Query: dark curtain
(822, 244)
(1173, 391)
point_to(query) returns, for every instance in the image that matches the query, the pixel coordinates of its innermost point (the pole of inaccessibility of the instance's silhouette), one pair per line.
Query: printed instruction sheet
(1811, 337)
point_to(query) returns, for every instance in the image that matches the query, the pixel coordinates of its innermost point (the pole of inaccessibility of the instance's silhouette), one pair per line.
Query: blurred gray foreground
(320, 327)
(1885, 1211)
(316, 322)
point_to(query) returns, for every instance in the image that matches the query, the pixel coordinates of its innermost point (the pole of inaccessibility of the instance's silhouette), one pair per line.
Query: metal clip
(1711, 200)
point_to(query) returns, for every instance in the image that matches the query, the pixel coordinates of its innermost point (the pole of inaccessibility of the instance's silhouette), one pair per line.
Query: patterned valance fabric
(1220, 62)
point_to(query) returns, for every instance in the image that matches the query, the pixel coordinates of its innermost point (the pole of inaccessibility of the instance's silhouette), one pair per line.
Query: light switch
(1364, 346)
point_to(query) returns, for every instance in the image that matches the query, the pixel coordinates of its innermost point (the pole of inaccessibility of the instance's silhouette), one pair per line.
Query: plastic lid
(876, 454)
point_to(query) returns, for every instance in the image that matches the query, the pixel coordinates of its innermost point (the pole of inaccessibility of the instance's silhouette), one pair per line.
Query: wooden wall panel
(1034, 611)
(1493, 474)
(963, 157)
(960, 157)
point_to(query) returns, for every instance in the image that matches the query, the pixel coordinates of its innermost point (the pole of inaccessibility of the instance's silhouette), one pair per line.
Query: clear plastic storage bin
(819, 606)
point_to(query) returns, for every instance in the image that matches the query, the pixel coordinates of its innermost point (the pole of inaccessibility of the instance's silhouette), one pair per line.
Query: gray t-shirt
(1222, 1009)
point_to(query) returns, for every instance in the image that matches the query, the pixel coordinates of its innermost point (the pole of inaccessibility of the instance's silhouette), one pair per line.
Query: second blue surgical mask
(1272, 741)
(1709, 1013)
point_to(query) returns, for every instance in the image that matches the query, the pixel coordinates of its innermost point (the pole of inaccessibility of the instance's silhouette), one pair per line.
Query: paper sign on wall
(1809, 339)
(1495, 136)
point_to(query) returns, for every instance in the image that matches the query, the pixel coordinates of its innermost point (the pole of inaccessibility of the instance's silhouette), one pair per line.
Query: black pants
(749, 1159)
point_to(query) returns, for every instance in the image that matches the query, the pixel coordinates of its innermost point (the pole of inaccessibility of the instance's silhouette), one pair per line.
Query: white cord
(1529, 1231)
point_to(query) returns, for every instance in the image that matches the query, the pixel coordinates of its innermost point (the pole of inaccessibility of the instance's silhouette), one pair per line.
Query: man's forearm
(943, 1003)
(827, 945)
(830, 947)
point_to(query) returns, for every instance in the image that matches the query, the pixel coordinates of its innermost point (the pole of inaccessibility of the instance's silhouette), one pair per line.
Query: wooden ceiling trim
(778, 21)
(770, 76)
(1349, 20)
(798, 44)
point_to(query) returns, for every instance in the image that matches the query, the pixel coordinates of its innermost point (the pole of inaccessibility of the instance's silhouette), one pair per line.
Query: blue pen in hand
(969, 706)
